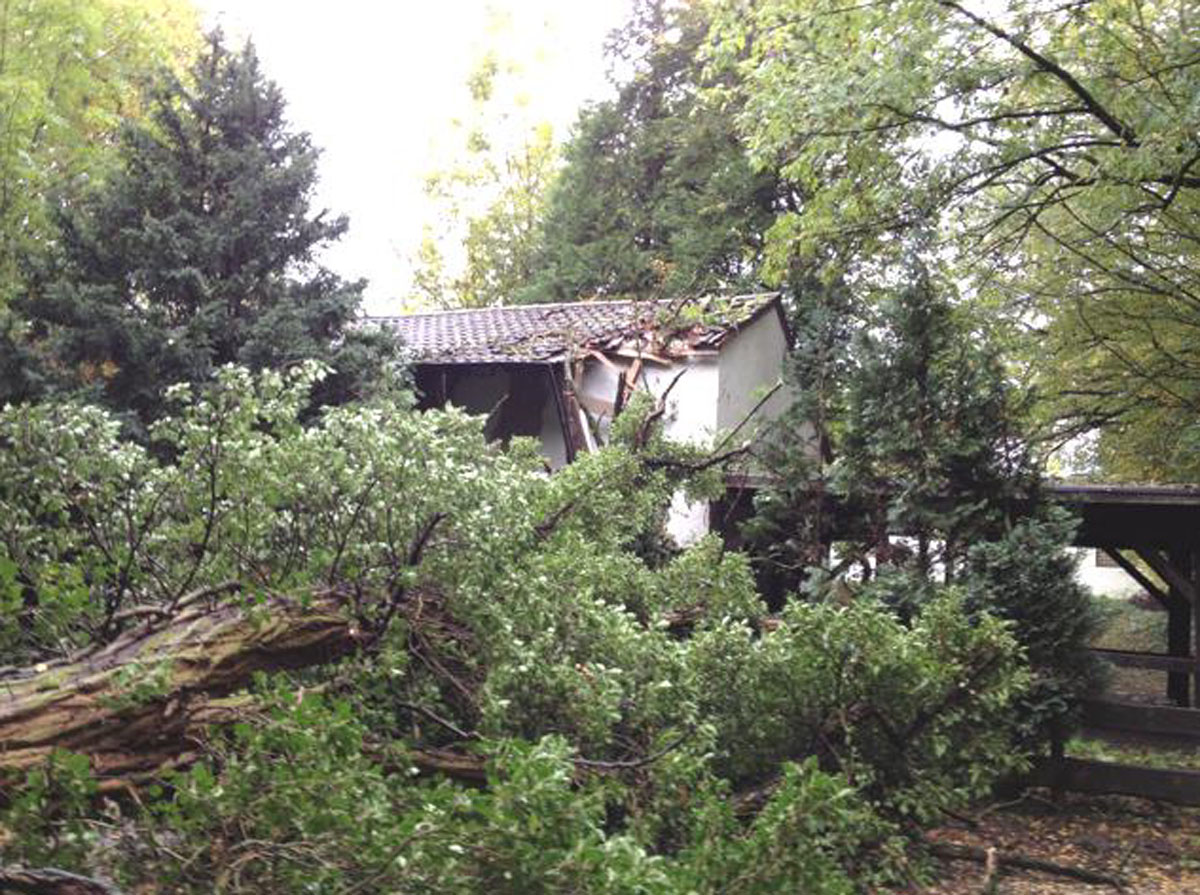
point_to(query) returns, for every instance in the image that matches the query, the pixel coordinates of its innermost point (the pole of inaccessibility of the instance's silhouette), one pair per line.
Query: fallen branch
(954, 852)
(698, 466)
(597, 765)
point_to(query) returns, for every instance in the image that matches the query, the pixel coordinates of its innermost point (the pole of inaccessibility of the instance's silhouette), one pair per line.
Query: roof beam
(1137, 575)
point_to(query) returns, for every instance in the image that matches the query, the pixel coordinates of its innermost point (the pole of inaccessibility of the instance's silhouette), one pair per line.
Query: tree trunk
(139, 703)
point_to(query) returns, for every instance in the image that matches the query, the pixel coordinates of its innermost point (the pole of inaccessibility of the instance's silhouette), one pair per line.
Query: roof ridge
(557, 305)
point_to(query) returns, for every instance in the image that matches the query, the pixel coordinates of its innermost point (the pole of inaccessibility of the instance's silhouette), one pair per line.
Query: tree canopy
(70, 71)
(489, 193)
(1055, 146)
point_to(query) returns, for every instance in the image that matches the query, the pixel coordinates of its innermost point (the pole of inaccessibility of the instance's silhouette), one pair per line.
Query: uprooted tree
(637, 725)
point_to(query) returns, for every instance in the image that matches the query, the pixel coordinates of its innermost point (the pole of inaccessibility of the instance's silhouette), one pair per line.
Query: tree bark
(143, 701)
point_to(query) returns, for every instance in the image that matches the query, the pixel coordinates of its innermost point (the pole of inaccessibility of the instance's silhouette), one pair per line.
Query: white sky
(376, 83)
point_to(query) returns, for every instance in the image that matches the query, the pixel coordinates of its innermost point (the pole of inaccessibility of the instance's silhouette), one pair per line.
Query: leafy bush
(46, 818)
(620, 707)
(917, 717)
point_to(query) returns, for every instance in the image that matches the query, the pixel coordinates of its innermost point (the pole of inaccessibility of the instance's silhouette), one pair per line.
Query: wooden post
(1179, 627)
(1195, 575)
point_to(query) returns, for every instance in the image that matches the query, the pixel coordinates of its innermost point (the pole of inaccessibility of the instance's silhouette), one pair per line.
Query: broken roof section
(551, 333)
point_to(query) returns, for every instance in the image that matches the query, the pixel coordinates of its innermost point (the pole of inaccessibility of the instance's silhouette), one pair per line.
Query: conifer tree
(905, 418)
(658, 194)
(933, 423)
(905, 446)
(200, 250)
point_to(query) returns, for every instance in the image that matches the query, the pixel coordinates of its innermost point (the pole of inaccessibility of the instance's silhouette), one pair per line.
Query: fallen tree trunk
(139, 703)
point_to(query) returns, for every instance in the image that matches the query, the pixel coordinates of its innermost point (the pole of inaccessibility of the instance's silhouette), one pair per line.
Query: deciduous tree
(1055, 145)
(69, 73)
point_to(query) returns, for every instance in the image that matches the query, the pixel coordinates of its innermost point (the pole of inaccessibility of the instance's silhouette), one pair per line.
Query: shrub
(1028, 579)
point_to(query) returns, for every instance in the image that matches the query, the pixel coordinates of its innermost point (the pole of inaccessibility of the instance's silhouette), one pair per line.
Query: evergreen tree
(932, 439)
(657, 193)
(200, 250)
(792, 527)
(905, 420)
(905, 446)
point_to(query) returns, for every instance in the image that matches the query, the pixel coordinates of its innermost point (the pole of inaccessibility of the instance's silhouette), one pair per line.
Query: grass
(1130, 625)
(1183, 758)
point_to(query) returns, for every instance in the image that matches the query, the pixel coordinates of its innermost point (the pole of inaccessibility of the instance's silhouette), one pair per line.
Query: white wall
(750, 363)
(691, 416)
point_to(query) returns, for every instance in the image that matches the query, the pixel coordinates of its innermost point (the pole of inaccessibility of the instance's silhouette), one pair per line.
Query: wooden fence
(1180, 724)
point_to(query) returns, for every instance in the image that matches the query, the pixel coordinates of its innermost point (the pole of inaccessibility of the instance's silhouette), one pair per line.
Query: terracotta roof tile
(545, 333)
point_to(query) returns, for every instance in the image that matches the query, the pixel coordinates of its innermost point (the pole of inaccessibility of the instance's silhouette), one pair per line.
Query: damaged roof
(552, 332)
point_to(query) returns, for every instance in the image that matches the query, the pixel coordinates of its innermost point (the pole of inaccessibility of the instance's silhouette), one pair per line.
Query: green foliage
(490, 198)
(808, 838)
(46, 820)
(1052, 146)
(198, 250)
(905, 446)
(905, 425)
(507, 615)
(792, 526)
(70, 71)
(933, 419)
(912, 715)
(1029, 580)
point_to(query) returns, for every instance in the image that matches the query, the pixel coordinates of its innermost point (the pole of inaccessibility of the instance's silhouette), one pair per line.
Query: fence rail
(1131, 717)
(1084, 775)
(1152, 661)
(1080, 775)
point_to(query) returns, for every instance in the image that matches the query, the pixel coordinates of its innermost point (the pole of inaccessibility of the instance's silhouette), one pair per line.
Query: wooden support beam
(558, 388)
(1176, 571)
(604, 359)
(1156, 591)
(1171, 569)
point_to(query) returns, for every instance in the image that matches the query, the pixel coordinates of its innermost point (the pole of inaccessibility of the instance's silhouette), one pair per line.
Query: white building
(560, 372)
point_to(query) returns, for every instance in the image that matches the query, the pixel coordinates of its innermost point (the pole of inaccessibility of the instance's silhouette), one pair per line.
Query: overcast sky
(377, 82)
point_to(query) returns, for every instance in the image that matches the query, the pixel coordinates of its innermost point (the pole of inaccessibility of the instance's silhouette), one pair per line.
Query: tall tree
(933, 423)
(658, 193)
(1057, 146)
(905, 416)
(907, 447)
(200, 250)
